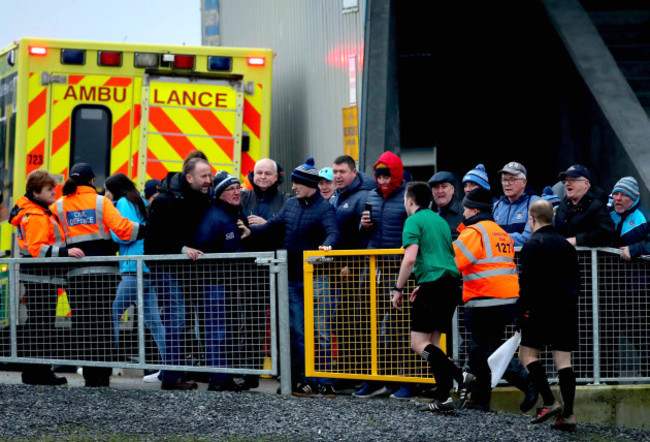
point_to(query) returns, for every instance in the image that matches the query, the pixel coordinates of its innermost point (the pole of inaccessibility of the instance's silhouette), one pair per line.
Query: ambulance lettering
(187, 99)
(80, 217)
(95, 93)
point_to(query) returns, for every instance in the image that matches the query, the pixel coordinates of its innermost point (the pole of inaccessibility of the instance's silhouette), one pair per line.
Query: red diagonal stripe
(155, 169)
(37, 108)
(74, 79)
(118, 81)
(213, 126)
(247, 164)
(38, 150)
(252, 118)
(134, 169)
(121, 128)
(60, 135)
(137, 114)
(163, 123)
(124, 168)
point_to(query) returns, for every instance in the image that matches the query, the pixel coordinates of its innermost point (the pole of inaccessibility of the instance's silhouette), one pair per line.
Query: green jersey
(431, 233)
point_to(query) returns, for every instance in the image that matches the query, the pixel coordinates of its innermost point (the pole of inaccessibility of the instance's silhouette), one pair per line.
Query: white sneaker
(153, 377)
(80, 371)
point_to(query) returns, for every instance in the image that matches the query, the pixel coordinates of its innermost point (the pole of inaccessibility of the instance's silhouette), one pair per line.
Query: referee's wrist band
(398, 289)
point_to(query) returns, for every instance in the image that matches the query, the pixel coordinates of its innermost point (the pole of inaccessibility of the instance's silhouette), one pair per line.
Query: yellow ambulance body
(131, 108)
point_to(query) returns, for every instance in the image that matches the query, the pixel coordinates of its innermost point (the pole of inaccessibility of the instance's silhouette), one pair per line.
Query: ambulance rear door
(183, 114)
(91, 121)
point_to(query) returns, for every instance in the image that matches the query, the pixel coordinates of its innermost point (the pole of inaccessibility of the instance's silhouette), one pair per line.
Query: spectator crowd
(450, 241)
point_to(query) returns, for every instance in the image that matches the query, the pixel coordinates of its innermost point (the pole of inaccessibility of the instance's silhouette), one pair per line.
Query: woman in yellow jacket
(87, 219)
(40, 235)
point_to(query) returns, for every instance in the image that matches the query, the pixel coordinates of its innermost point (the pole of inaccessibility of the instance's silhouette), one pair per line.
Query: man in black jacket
(582, 217)
(547, 310)
(174, 219)
(445, 202)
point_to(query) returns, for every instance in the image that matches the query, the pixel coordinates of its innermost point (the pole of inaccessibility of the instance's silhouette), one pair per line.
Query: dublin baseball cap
(514, 168)
(576, 171)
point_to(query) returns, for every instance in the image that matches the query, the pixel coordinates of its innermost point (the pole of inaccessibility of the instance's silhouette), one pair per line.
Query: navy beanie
(223, 180)
(306, 174)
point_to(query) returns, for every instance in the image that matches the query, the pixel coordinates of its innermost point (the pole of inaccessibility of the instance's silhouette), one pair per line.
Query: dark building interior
(494, 82)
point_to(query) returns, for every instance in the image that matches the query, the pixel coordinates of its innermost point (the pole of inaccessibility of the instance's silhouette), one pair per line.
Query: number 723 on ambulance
(138, 109)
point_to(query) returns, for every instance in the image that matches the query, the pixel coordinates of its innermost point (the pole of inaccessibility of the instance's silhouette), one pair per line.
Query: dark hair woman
(121, 190)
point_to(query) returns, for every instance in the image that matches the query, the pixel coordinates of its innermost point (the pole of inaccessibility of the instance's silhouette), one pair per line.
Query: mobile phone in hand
(368, 208)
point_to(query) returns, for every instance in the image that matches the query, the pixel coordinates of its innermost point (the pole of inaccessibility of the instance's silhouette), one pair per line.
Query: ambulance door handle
(249, 88)
(47, 78)
(239, 86)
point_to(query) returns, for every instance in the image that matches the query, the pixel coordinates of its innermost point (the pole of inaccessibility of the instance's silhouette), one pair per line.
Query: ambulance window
(91, 139)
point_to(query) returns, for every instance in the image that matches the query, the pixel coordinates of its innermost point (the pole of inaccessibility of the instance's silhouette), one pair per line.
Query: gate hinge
(47, 78)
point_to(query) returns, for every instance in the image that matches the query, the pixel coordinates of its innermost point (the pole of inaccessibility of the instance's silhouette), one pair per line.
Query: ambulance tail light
(217, 63)
(145, 60)
(256, 61)
(109, 58)
(37, 50)
(73, 56)
(183, 62)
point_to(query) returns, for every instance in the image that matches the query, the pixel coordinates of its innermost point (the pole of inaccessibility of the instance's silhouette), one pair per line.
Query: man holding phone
(349, 197)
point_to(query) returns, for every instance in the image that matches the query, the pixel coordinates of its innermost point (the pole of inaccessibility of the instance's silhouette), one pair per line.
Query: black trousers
(91, 299)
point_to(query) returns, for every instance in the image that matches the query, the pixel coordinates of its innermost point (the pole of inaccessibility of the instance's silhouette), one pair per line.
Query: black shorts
(558, 330)
(435, 304)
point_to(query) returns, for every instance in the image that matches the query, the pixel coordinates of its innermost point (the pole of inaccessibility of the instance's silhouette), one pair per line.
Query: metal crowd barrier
(216, 315)
(351, 330)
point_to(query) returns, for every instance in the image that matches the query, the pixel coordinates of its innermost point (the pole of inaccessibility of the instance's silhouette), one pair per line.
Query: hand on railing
(625, 253)
(193, 254)
(76, 253)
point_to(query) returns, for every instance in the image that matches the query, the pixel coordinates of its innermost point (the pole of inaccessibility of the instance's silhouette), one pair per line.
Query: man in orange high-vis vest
(40, 235)
(86, 218)
(485, 258)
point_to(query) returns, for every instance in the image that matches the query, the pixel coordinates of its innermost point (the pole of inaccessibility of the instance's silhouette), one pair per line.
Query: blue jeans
(127, 294)
(322, 328)
(172, 300)
(215, 330)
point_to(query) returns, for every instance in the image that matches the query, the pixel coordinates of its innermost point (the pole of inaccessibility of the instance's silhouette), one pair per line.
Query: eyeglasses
(233, 189)
(573, 180)
(510, 180)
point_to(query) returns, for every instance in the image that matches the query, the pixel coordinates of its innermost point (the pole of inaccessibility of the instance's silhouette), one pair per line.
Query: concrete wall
(621, 405)
(312, 40)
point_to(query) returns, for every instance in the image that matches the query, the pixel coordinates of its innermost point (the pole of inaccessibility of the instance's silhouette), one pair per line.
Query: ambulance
(138, 109)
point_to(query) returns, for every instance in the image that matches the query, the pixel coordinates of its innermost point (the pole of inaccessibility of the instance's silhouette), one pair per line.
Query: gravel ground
(82, 414)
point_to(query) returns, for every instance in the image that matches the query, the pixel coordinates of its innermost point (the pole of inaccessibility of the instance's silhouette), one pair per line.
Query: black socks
(437, 358)
(540, 381)
(568, 389)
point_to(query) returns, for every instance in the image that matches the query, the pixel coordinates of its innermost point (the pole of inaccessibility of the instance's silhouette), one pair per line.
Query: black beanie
(478, 198)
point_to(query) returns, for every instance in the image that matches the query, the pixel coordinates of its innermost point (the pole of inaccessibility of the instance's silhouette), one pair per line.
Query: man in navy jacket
(309, 223)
